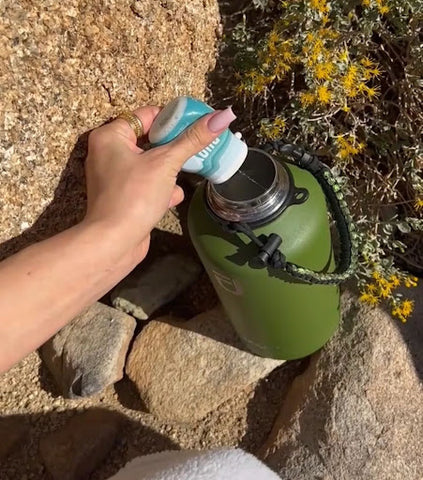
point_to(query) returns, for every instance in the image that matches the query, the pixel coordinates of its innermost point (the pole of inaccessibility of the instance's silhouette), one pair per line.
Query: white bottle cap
(234, 156)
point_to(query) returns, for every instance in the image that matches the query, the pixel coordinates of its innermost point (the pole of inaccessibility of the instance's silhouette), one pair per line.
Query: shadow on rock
(47, 381)
(264, 406)
(66, 209)
(129, 396)
(70, 445)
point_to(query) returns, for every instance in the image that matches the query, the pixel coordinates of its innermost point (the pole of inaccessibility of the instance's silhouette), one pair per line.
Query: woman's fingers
(145, 114)
(119, 132)
(177, 196)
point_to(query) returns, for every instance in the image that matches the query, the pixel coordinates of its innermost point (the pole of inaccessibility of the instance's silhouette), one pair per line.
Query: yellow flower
(371, 91)
(367, 62)
(353, 70)
(386, 290)
(350, 81)
(328, 33)
(323, 94)
(383, 283)
(395, 281)
(362, 87)
(307, 99)
(410, 282)
(371, 288)
(407, 307)
(344, 55)
(320, 5)
(365, 3)
(349, 146)
(378, 278)
(369, 298)
(397, 312)
(272, 130)
(280, 122)
(346, 108)
(310, 37)
(375, 72)
(273, 37)
(418, 205)
(384, 9)
(324, 70)
(403, 309)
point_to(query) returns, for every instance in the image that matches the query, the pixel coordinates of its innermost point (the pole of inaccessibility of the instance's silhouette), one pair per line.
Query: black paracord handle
(269, 255)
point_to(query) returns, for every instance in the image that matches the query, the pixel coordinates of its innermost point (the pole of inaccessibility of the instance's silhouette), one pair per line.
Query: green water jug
(264, 238)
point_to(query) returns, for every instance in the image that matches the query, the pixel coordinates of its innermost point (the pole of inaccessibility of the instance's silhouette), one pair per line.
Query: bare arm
(46, 285)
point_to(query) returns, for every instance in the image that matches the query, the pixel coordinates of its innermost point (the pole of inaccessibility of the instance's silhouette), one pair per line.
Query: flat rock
(146, 290)
(66, 68)
(12, 434)
(89, 354)
(184, 370)
(74, 451)
(357, 411)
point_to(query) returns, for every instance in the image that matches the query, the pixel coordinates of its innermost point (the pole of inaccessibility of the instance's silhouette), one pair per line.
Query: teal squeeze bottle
(219, 160)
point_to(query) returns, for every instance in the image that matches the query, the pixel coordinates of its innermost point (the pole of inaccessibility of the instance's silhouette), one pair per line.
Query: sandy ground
(28, 390)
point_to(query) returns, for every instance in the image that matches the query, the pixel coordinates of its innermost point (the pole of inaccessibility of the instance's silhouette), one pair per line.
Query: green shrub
(345, 78)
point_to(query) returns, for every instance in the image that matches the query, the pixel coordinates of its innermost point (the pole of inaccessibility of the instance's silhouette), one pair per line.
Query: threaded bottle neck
(255, 193)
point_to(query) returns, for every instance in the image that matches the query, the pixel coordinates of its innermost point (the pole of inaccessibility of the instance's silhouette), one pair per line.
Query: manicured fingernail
(221, 120)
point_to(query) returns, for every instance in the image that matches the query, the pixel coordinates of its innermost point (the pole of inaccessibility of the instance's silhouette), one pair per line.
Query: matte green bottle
(274, 314)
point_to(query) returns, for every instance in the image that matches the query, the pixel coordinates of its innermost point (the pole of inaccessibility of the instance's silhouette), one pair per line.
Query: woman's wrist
(115, 244)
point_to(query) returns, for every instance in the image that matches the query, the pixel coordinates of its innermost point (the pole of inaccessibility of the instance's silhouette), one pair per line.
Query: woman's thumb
(199, 135)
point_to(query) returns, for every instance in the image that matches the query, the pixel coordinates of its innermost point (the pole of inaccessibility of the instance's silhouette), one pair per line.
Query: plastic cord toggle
(267, 251)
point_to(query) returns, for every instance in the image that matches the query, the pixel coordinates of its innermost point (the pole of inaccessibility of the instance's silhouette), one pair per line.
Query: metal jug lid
(255, 194)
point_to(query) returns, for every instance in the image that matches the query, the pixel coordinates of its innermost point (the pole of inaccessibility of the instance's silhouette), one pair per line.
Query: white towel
(219, 464)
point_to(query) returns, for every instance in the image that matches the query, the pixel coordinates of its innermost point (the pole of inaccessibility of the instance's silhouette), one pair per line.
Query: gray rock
(12, 432)
(144, 291)
(89, 354)
(74, 451)
(357, 411)
(183, 371)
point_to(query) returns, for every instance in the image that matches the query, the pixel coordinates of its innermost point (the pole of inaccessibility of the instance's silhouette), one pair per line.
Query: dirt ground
(27, 390)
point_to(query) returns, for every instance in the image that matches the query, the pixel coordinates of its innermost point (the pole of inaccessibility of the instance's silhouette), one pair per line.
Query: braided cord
(274, 258)
(347, 263)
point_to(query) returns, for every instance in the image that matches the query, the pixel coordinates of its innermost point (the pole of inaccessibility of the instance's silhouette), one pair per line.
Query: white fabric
(219, 464)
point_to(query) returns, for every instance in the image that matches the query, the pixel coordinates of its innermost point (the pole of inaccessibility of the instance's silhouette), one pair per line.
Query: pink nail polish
(221, 120)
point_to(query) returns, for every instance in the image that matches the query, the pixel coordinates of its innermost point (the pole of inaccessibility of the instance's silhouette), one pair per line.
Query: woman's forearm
(46, 285)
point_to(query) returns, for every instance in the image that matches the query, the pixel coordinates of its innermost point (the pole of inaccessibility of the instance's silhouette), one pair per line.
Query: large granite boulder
(65, 68)
(357, 411)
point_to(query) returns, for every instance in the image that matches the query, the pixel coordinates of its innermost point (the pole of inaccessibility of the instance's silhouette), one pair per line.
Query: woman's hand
(129, 190)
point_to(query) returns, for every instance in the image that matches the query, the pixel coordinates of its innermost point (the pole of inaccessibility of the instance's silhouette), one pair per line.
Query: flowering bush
(345, 78)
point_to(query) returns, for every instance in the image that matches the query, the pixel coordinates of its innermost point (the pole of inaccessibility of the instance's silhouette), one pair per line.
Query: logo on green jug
(227, 283)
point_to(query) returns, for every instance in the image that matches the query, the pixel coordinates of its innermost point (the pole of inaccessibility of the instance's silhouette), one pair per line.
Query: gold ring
(134, 122)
